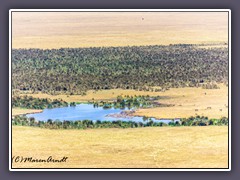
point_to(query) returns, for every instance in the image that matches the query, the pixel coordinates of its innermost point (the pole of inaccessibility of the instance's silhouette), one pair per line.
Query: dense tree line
(37, 103)
(122, 102)
(203, 121)
(85, 124)
(76, 70)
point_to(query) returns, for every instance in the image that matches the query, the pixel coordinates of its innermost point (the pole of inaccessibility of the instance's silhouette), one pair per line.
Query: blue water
(83, 112)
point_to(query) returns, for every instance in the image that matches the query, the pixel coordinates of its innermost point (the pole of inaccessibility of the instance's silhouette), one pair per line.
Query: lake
(86, 111)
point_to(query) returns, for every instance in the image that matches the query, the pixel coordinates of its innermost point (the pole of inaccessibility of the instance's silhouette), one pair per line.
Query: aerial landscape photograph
(119, 89)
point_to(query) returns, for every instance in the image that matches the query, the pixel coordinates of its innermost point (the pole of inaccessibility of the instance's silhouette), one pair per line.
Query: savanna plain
(116, 66)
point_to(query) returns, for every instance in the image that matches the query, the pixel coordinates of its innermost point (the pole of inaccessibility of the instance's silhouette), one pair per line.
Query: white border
(120, 10)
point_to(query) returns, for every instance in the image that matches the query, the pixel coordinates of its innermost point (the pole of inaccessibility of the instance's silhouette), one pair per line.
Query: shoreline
(34, 111)
(131, 114)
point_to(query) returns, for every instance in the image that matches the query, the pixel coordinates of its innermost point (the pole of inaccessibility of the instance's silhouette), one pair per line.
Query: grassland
(187, 101)
(59, 30)
(165, 147)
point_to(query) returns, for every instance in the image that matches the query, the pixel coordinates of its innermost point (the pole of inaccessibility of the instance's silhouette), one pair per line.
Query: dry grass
(188, 101)
(212, 103)
(58, 30)
(21, 111)
(165, 147)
